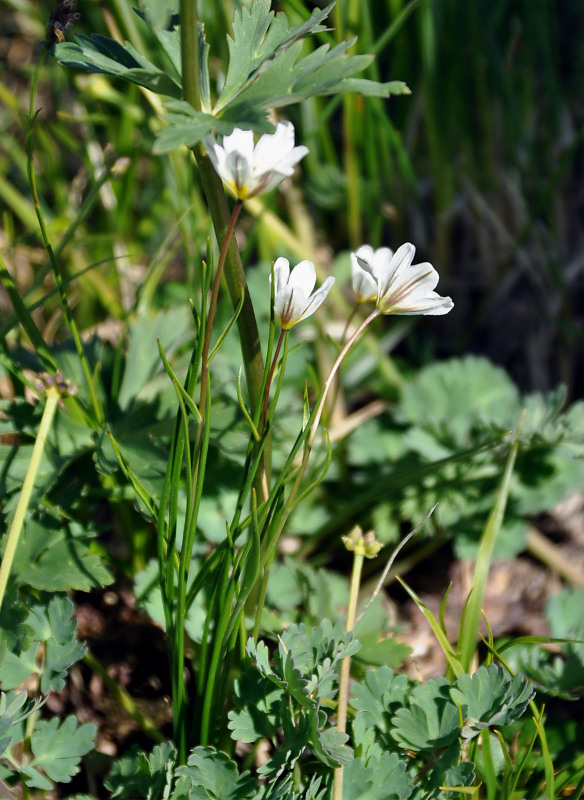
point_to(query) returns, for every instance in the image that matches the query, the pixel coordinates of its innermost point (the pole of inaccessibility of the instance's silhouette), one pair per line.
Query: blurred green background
(481, 167)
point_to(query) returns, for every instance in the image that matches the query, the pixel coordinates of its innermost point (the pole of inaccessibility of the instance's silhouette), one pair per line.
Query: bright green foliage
(209, 775)
(286, 692)
(306, 662)
(266, 70)
(55, 555)
(138, 775)
(430, 721)
(450, 449)
(489, 698)
(98, 53)
(14, 709)
(377, 698)
(54, 627)
(379, 777)
(557, 675)
(57, 749)
(564, 613)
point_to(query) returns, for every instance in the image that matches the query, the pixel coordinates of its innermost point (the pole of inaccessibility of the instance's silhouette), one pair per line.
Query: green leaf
(490, 697)
(564, 614)
(379, 696)
(554, 675)
(210, 774)
(158, 12)
(257, 708)
(447, 399)
(328, 744)
(54, 555)
(432, 720)
(381, 778)
(57, 748)
(14, 709)
(139, 775)
(258, 35)
(55, 628)
(15, 634)
(99, 53)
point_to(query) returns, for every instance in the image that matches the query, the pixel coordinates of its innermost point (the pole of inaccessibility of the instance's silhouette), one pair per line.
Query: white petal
(238, 173)
(432, 305)
(272, 146)
(281, 275)
(303, 276)
(239, 141)
(317, 299)
(364, 284)
(386, 269)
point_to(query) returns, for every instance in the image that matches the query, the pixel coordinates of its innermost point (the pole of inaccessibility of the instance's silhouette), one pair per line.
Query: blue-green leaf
(490, 697)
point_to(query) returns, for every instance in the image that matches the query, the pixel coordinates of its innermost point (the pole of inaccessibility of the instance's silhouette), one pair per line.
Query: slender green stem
(27, 487)
(266, 400)
(315, 418)
(213, 306)
(221, 217)
(189, 39)
(346, 667)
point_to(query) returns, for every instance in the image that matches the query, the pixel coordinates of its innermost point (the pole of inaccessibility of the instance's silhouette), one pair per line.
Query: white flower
(293, 298)
(249, 169)
(403, 287)
(362, 269)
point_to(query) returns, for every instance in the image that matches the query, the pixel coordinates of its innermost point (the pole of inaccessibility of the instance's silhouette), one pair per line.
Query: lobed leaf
(431, 721)
(490, 697)
(381, 778)
(57, 748)
(211, 774)
(139, 775)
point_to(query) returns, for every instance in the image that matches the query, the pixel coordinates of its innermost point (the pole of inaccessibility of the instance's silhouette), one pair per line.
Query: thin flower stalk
(53, 388)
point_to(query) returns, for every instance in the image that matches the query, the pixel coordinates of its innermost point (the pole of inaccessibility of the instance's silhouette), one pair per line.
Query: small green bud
(362, 544)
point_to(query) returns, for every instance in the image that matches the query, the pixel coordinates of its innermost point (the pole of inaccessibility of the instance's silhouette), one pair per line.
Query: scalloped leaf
(57, 748)
(139, 775)
(381, 778)
(55, 627)
(379, 696)
(211, 774)
(258, 708)
(432, 720)
(490, 697)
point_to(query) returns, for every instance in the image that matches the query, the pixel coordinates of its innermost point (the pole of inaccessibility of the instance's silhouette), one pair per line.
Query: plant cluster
(284, 682)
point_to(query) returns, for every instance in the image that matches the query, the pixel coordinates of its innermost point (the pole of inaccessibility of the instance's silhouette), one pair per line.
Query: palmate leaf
(380, 778)
(55, 628)
(57, 749)
(55, 556)
(259, 35)
(208, 775)
(432, 720)
(258, 708)
(490, 697)
(14, 708)
(139, 775)
(379, 696)
(554, 675)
